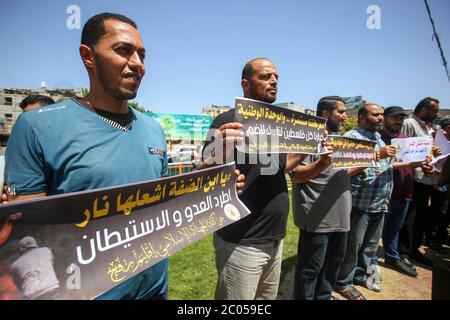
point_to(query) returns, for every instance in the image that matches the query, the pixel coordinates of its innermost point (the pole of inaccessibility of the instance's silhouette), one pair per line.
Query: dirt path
(395, 285)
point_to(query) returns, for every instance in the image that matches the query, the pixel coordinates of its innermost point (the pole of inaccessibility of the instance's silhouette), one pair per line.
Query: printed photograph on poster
(89, 242)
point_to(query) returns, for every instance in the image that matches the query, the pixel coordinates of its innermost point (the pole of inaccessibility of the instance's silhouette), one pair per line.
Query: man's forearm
(293, 160)
(354, 171)
(399, 165)
(308, 172)
(26, 196)
(5, 232)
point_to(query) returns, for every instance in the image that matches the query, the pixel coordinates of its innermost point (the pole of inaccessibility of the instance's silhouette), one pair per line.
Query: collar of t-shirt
(124, 119)
(375, 136)
(421, 123)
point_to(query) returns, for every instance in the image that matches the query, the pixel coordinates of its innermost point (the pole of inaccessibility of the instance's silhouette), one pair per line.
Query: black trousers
(443, 222)
(420, 218)
(319, 258)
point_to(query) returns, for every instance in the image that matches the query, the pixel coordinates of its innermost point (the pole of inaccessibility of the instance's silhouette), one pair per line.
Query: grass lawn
(192, 271)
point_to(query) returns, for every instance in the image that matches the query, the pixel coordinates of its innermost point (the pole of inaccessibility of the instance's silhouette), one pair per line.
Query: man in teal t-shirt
(95, 142)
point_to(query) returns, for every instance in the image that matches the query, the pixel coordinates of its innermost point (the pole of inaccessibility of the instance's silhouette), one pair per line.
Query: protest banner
(352, 153)
(272, 129)
(412, 149)
(102, 237)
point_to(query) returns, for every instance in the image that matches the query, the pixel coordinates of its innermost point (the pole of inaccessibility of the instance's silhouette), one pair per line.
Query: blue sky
(197, 48)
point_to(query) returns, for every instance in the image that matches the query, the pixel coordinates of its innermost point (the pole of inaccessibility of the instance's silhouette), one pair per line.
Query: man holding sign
(411, 237)
(91, 146)
(321, 203)
(371, 190)
(95, 142)
(401, 194)
(249, 252)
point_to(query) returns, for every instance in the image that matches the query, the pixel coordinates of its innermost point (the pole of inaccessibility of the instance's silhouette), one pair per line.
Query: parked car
(185, 155)
(180, 156)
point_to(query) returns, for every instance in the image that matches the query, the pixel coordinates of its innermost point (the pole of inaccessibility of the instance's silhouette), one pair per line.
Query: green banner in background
(183, 126)
(353, 102)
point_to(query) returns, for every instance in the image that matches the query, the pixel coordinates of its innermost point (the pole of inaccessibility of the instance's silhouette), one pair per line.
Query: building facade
(214, 111)
(10, 105)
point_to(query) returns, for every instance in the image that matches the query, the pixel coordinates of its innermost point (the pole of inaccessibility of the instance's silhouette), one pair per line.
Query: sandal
(350, 293)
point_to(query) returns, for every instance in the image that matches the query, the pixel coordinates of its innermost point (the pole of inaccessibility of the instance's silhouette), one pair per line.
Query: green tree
(351, 123)
(136, 106)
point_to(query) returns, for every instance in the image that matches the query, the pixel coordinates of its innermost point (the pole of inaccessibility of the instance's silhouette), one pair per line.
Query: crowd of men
(98, 141)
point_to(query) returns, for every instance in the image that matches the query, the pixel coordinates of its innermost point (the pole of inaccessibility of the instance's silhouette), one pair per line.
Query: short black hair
(444, 122)
(248, 70)
(36, 98)
(363, 111)
(94, 28)
(425, 103)
(328, 103)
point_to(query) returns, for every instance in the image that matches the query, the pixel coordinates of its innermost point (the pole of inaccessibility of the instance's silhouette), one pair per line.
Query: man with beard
(97, 141)
(33, 271)
(322, 202)
(401, 195)
(411, 235)
(371, 191)
(249, 252)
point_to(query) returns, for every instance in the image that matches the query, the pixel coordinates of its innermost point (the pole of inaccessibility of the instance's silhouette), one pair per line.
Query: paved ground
(395, 286)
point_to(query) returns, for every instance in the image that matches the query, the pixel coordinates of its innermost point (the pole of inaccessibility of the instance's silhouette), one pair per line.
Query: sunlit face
(263, 83)
(374, 119)
(119, 60)
(393, 124)
(431, 113)
(337, 117)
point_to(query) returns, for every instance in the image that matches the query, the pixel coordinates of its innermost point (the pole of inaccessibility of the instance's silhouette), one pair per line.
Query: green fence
(179, 168)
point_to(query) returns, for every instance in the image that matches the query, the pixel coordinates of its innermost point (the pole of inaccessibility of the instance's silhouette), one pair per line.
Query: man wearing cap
(33, 271)
(401, 194)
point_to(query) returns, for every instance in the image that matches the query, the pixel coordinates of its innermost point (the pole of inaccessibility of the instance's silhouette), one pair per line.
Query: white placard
(412, 149)
(442, 143)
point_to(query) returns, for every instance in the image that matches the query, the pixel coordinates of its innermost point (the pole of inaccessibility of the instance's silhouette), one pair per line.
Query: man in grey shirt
(33, 271)
(322, 202)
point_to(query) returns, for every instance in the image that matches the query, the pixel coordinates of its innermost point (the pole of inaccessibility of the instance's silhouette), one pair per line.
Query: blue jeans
(392, 225)
(365, 233)
(319, 258)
